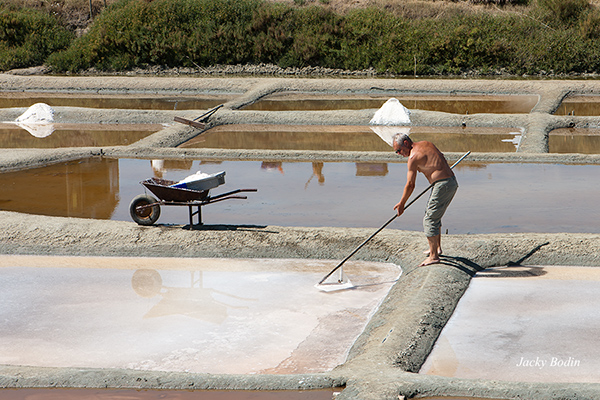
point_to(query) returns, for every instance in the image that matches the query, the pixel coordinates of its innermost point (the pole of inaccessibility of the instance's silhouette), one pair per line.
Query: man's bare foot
(429, 261)
(426, 252)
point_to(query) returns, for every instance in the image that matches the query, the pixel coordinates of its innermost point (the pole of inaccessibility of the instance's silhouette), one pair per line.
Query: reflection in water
(38, 130)
(88, 188)
(317, 168)
(513, 104)
(493, 197)
(195, 301)
(158, 102)
(574, 140)
(272, 166)
(371, 169)
(50, 136)
(349, 138)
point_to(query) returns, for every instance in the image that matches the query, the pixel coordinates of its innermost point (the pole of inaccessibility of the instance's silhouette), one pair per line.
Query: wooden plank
(195, 124)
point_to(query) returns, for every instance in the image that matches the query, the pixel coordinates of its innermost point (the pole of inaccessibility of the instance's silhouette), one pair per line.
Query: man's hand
(399, 208)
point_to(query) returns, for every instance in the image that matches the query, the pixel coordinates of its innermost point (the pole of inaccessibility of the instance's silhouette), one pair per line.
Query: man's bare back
(428, 160)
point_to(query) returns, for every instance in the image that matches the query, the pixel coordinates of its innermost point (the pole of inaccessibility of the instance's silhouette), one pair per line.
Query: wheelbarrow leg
(191, 213)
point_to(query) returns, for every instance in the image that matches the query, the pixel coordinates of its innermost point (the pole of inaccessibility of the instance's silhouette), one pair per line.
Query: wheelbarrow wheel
(147, 215)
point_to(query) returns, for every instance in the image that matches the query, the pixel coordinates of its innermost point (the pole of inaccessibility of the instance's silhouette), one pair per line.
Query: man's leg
(442, 194)
(434, 252)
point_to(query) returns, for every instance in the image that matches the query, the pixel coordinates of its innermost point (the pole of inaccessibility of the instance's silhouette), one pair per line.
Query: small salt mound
(194, 177)
(37, 120)
(37, 113)
(392, 112)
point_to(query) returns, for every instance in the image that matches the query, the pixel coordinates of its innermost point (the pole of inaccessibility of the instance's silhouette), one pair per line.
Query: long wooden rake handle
(384, 225)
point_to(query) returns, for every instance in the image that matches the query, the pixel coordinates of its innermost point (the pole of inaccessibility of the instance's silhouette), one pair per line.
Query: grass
(398, 37)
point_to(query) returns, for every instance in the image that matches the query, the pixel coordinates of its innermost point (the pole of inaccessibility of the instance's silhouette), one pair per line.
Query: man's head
(402, 144)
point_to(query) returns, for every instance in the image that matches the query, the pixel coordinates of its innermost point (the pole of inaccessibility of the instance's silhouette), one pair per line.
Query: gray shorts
(442, 194)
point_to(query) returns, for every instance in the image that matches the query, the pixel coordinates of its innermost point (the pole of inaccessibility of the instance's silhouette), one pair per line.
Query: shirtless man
(424, 157)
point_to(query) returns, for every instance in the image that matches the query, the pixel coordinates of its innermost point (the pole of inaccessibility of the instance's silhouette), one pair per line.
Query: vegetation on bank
(555, 36)
(27, 38)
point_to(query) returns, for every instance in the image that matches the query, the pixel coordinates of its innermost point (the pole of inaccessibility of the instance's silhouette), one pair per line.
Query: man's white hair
(401, 137)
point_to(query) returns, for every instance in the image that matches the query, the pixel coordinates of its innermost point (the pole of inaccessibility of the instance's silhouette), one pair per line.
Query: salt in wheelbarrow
(145, 209)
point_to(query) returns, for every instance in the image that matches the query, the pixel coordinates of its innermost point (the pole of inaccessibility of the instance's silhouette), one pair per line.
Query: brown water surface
(133, 394)
(133, 101)
(13, 136)
(88, 189)
(350, 138)
(583, 105)
(574, 140)
(456, 104)
(492, 198)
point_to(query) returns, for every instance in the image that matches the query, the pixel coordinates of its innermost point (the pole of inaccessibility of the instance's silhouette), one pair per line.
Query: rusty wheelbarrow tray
(145, 209)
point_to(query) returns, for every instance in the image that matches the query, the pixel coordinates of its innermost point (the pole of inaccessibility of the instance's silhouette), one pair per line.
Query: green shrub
(589, 25)
(27, 38)
(316, 36)
(137, 33)
(562, 12)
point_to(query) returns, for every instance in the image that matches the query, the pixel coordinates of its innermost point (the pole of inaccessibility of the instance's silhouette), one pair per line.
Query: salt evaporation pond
(582, 105)
(456, 104)
(574, 140)
(56, 135)
(36, 128)
(121, 101)
(492, 198)
(527, 324)
(200, 315)
(143, 394)
(351, 138)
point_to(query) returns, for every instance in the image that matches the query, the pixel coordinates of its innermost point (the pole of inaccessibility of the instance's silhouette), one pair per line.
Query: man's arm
(411, 177)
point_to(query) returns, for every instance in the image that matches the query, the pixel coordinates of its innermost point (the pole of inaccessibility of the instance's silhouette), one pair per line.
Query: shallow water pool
(492, 198)
(351, 138)
(574, 140)
(55, 135)
(131, 394)
(528, 324)
(202, 315)
(457, 104)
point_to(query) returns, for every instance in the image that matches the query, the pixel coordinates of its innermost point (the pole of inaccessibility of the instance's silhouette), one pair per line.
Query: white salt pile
(37, 120)
(194, 177)
(37, 113)
(391, 113)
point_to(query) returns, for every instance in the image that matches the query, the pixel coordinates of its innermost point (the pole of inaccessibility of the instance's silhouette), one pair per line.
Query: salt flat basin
(582, 105)
(222, 316)
(457, 104)
(351, 138)
(492, 198)
(107, 100)
(137, 394)
(55, 135)
(574, 140)
(532, 324)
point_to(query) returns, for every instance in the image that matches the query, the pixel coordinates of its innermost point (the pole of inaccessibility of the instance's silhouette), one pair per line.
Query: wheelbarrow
(145, 209)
